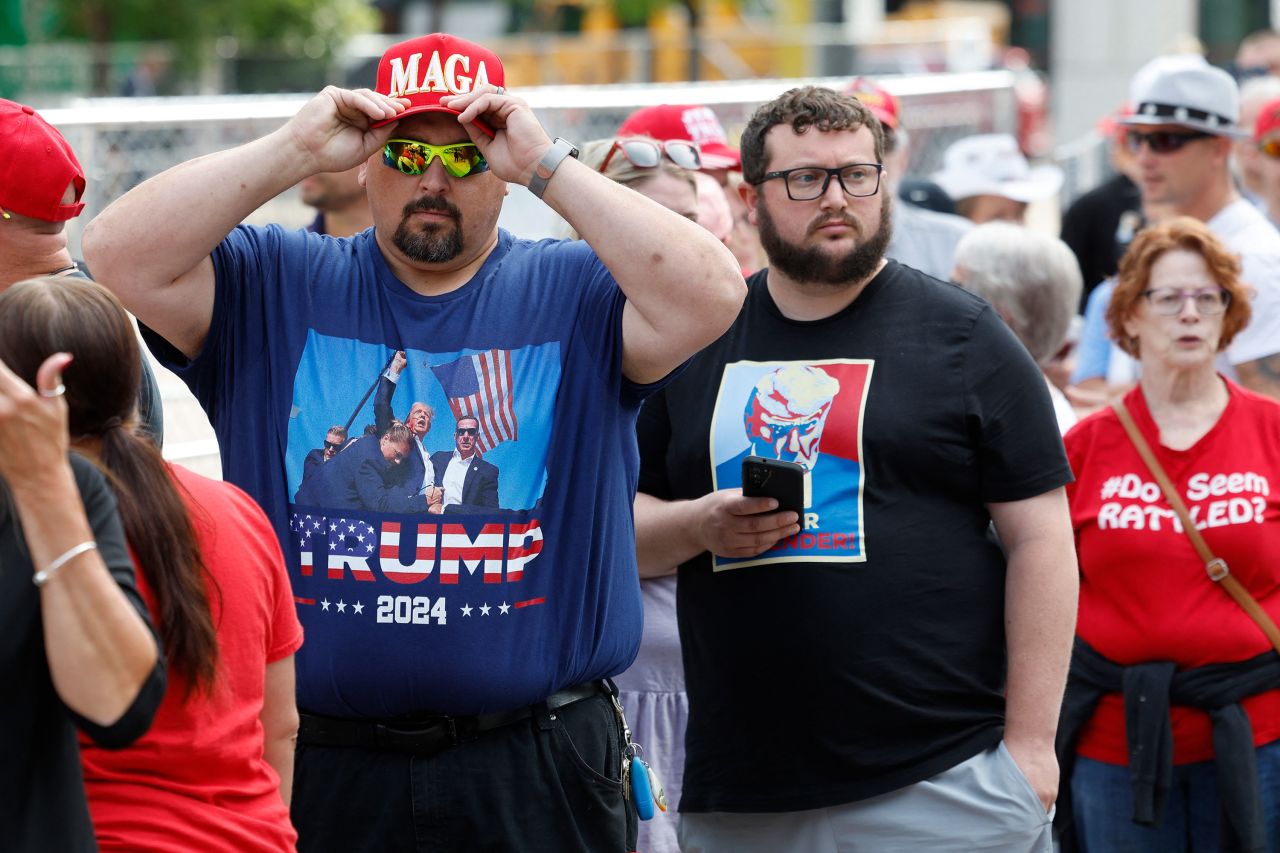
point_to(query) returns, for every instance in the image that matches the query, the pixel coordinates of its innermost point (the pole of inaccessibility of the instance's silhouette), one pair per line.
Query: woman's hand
(33, 424)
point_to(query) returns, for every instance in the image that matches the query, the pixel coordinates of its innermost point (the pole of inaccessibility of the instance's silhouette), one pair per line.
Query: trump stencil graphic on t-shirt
(810, 413)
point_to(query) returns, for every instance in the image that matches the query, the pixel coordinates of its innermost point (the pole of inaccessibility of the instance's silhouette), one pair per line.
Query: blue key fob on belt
(641, 793)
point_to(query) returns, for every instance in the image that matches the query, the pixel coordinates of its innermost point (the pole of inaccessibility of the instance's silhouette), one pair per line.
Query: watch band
(560, 149)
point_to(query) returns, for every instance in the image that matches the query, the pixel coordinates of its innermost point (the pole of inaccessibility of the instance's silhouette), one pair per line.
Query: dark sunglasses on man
(648, 153)
(1161, 141)
(466, 431)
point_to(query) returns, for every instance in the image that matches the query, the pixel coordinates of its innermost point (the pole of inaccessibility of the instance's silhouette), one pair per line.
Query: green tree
(304, 27)
(186, 22)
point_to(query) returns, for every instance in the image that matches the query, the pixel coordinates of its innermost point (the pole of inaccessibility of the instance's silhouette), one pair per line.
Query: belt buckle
(425, 740)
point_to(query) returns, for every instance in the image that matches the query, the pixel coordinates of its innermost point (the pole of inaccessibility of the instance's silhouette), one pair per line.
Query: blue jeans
(1103, 802)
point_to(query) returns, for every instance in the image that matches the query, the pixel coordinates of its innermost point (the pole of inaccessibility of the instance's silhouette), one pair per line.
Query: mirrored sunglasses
(648, 153)
(413, 157)
(1161, 141)
(1270, 147)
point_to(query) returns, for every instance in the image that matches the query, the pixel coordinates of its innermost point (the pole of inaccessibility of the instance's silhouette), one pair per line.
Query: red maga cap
(697, 124)
(428, 68)
(36, 166)
(882, 103)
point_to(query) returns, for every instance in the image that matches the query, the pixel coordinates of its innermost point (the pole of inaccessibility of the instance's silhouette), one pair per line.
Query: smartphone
(775, 478)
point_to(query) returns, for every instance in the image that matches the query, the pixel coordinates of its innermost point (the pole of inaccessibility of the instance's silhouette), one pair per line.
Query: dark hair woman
(214, 770)
(1173, 689)
(76, 649)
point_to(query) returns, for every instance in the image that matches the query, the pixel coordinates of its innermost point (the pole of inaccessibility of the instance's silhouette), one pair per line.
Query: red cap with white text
(690, 122)
(428, 68)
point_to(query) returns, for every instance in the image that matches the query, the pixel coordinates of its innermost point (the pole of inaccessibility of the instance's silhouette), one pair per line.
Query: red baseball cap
(1268, 120)
(694, 123)
(428, 68)
(36, 166)
(882, 103)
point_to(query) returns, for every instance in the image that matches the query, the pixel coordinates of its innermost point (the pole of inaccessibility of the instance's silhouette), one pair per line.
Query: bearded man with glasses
(846, 669)
(454, 687)
(1185, 118)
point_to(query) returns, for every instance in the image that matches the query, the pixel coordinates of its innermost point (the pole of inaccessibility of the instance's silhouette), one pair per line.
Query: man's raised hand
(334, 129)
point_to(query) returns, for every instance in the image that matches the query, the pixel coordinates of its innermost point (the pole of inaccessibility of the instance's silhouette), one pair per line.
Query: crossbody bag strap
(1215, 567)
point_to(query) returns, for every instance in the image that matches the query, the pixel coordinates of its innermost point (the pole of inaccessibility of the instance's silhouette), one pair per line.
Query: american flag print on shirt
(479, 386)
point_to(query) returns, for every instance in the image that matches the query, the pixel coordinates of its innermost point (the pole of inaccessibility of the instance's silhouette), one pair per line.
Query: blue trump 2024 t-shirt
(477, 609)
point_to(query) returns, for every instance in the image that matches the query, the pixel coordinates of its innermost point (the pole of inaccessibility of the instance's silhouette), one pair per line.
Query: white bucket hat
(991, 164)
(1186, 91)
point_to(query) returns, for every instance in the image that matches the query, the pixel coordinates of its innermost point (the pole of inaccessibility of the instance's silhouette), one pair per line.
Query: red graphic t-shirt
(1144, 594)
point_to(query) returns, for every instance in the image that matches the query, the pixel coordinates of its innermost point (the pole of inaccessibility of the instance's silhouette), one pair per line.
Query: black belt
(426, 736)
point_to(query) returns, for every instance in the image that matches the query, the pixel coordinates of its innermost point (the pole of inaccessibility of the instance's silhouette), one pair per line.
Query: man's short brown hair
(801, 109)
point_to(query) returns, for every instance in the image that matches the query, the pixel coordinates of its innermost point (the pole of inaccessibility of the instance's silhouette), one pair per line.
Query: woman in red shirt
(1170, 749)
(213, 772)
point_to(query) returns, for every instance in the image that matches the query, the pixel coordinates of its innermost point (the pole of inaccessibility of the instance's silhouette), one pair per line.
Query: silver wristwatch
(560, 149)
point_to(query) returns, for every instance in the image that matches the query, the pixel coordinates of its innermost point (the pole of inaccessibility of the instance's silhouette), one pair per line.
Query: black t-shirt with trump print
(867, 652)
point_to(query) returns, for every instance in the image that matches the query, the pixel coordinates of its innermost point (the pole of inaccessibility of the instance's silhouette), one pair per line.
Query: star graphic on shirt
(504, 607)
(324, 605)
(332, 527)
(466, 610)
(342, 606)
(357, 607)
(484, 610)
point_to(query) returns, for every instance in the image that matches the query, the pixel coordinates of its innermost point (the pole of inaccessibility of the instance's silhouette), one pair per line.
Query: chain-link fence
(123, 141)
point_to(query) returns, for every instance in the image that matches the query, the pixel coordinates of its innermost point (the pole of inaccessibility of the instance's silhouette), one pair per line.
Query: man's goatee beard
(428, 246)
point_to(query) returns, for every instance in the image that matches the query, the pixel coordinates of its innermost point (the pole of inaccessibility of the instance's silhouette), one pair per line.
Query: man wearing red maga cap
(41, 185)
(453, 687)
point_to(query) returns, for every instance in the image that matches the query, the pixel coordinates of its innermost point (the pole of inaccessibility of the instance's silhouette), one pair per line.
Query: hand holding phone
(774, 478)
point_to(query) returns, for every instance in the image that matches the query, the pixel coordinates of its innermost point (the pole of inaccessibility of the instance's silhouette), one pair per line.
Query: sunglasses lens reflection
(683, 155)
(643, 155)
(413, 158)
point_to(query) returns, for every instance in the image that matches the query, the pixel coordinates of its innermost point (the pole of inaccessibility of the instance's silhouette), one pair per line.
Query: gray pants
(984, 803)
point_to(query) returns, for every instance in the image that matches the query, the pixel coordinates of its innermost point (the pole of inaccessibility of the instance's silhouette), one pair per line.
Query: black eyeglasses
(466, 431)
(1161, 141)
(333, 445)
(809, 182)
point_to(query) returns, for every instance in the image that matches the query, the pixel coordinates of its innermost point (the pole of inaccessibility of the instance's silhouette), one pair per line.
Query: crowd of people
(1028, 603)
